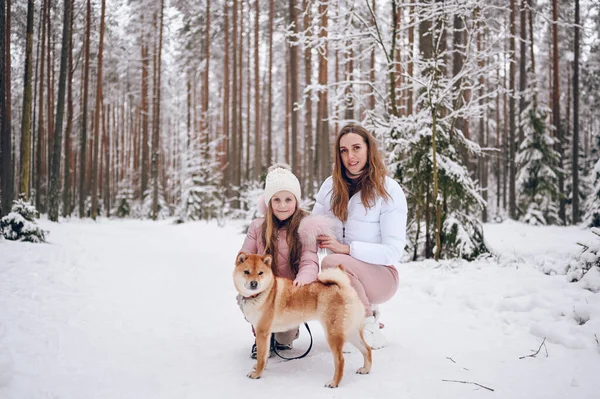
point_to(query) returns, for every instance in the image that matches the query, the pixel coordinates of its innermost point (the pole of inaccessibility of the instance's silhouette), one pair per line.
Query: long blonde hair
(270, 229)
(371, 183)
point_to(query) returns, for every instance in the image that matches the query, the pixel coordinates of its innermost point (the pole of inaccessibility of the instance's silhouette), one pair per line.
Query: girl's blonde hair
(270, 233)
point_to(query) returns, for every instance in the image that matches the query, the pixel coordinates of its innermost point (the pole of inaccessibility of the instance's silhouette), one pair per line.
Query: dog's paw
(331, 384)
(363, 370)
(254, 375)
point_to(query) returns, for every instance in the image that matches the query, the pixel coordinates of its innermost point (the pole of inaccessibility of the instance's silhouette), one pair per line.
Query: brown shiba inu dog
(274, 304)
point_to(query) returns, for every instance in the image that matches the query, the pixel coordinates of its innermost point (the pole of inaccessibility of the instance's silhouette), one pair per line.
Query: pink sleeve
(251, 241)
(309, 265)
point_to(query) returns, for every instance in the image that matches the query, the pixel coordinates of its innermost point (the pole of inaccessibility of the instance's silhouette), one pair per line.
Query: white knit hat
(280, 177)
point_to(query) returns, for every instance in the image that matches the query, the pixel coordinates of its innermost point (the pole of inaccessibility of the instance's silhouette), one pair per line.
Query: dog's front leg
(262, 353)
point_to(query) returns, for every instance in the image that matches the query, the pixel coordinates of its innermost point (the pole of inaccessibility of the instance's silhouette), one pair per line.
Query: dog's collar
(247, 298)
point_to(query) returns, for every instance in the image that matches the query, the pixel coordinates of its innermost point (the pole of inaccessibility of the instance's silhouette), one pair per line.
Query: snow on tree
(19, 224)
(586, 267)
(592, 204)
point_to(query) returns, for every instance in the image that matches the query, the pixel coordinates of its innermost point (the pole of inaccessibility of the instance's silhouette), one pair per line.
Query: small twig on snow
(449, 358)
(595, 336)
(470, 382)
(538, 351)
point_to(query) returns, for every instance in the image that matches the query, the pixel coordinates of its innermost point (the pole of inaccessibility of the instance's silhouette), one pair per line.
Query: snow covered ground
(136, 309)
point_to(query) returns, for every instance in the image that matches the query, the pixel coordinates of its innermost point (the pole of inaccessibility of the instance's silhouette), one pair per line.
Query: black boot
(253, 352)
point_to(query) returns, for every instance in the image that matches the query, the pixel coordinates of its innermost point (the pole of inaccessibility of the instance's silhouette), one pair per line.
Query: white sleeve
(319, 208)
(392, 223)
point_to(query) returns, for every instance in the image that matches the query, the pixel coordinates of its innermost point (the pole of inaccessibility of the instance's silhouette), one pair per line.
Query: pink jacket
(310, 227)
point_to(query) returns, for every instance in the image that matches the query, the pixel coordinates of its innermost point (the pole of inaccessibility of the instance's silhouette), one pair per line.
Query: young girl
(287, 233)
(370, 227)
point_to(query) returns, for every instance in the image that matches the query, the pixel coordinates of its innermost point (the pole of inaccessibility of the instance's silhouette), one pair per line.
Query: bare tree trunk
(257, 136)
(54, 199)
(372, 66)
(68, 172)
(50, 106)
(40, 160)
(7, 189)
(106, 152)
(522, 67)
(84, 114)
(97, 134)
(145, 111)
(270, 87)
(225, 165)
(411, 40)
(556, 112)
(308, 123)
(293, 79)
(156, 125)
(206, 85)
(512, 203)
(235, 134)
(322, 113)
(26, 118)
(575, 170)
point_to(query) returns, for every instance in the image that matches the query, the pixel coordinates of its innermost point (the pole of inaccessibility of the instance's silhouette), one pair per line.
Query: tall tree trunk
(225, 166)
(84, 114)
(411, 40)
(50, 106)
(556, 111)
(575, 165)
(512, 204)
(54, 199)
(294, 90)
(68, 172)
(308, 123)
(97, 133)
(40, 159)
(322, 113)
(145, 119)
(235, 134)
(106, 152)
(5, 124)
(26, 117)
(206, 85)
(270, 87)
(522, 67)
(156, 125)
(257, 136)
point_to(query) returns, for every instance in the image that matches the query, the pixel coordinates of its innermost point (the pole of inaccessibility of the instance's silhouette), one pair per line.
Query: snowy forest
(176, 108)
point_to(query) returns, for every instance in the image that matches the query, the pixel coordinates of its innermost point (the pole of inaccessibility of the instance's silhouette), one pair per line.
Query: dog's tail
(335, 275)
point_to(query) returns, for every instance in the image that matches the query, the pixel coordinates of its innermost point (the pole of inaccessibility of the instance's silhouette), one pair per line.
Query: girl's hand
(299, 283)
(333, 245)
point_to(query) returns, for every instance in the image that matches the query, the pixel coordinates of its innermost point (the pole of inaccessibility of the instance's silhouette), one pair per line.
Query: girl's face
(283, 204)
(353, 151)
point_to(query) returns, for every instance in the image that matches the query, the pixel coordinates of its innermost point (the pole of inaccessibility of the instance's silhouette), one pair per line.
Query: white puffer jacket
(376, 235)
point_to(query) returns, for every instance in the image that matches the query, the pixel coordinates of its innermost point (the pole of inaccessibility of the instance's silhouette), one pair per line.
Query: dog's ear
(241, 257)
(267, 260)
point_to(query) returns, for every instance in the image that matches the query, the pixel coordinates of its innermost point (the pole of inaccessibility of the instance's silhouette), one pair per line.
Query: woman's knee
(332, 260)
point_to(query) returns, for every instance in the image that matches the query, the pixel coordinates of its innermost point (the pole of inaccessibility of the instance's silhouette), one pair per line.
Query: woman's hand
(299, 283)
(333, 245)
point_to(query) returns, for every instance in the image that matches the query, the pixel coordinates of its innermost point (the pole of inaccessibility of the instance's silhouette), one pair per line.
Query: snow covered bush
(462, 237)
(19, 224)
(592, 204)
(586, 267)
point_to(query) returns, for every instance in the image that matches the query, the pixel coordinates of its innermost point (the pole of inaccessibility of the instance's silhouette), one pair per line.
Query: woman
(370, 210)
(287, 233)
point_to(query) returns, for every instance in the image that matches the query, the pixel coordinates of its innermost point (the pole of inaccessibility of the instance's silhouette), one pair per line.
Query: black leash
(274, 347)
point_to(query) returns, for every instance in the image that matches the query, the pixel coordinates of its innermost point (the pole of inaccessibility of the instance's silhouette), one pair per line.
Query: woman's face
(353, 151)
(283, 204)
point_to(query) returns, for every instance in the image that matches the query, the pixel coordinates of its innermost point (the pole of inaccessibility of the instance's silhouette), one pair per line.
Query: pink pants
(374, 284)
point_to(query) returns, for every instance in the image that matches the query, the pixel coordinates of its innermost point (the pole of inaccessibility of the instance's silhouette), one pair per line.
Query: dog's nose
(253, 284)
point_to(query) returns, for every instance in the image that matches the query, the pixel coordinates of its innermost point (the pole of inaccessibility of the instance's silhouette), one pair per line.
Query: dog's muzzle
(253, 284)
